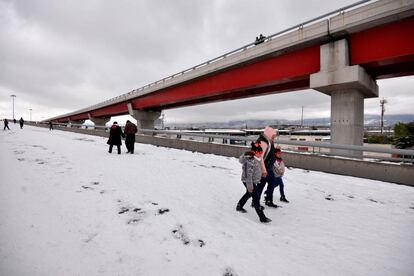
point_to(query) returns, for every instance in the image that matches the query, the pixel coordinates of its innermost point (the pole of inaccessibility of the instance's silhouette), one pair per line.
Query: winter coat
(269, 154)
(279, 168)
(252, 170)
(115, 135)
(130, 128)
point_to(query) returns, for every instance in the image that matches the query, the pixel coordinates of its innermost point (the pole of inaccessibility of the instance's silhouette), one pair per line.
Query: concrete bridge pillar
(145, 119)
(348, 85)
(101, 121)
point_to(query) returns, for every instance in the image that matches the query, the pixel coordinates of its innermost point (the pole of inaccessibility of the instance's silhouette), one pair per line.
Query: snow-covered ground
(68, 207)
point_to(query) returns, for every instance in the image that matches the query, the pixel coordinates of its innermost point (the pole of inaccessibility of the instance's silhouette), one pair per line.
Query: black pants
(254, 195)
(6, 126)
(130, 142)
(272, 183)
(119, 148)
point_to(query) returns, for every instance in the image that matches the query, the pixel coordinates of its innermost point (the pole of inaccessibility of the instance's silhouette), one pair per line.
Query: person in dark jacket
(130, 130)
(50, 125)
(21, 122)
(6, 124)
(115, 134)
(251, 175)
(268, 160)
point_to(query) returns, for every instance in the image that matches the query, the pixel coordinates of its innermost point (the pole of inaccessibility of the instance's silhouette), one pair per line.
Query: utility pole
(301, 119)
(13, 96)
(382, 104)
(30, 114)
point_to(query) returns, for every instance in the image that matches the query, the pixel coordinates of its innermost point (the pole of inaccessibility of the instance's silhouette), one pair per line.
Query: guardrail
(405, 155)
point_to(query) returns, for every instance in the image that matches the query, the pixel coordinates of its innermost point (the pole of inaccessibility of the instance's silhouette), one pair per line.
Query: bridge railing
(375, 153)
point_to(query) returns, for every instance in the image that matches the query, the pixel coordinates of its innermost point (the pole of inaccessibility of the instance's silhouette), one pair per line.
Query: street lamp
(13, 96)
(30, 114)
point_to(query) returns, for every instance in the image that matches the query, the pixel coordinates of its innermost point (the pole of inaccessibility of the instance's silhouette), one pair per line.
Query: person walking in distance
(21, 122)
(268, 160)
(50, 125)
(130, 131)
(251, 175)
(115, 134)
(6, 124)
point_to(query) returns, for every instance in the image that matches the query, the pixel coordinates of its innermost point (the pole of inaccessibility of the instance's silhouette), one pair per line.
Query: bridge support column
(145, 119)
(101, 121)
(348, 86)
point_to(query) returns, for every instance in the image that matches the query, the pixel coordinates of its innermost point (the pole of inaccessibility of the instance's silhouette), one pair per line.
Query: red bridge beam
(385, 51)
(233, 84)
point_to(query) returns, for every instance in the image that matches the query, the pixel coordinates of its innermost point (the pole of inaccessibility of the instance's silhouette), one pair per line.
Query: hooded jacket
(279, 167)
(252, 170)
(115, 134)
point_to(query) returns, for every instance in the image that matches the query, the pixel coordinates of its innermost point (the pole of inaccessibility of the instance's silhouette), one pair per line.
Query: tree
(404, 135)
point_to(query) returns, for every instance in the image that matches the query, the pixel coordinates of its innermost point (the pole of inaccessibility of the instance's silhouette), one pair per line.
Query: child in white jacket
(279, 171)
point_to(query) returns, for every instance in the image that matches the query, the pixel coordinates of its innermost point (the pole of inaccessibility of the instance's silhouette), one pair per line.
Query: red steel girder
(276, 70)
(385, 51)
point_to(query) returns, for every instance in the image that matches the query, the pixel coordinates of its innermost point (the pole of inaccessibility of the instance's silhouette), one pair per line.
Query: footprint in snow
(375, 201)
(87, 187)
(181, 234)
(163, 210)
(228, 271)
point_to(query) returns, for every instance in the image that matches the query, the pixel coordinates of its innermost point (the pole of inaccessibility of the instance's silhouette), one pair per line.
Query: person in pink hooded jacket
(266, 140)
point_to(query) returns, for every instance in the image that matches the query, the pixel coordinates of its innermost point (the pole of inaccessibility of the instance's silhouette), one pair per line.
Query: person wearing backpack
(251, 175)
(268, 160)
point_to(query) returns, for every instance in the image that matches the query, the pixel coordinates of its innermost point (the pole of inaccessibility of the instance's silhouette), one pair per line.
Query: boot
(269, 202)
(262, 216)
(240, 209)
(283, 199)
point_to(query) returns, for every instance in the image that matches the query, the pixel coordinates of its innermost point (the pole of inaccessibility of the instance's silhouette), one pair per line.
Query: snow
(68, 207)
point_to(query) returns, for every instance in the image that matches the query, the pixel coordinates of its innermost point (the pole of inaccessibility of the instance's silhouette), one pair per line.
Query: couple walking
(115, 134)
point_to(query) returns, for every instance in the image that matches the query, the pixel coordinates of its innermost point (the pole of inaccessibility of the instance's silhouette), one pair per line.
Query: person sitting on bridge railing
(259, 39)
(115, 134)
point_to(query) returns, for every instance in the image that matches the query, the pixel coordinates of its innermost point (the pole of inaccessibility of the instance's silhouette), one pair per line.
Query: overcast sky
(61, 56)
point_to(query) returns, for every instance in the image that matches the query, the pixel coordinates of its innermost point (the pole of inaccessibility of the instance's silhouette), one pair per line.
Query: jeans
(254, 195)
(272, 182)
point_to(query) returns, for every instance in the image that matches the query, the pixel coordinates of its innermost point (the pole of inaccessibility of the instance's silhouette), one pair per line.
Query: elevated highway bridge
(341, 54)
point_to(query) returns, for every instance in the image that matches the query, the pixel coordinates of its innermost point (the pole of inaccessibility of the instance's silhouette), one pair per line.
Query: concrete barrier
(390, 172)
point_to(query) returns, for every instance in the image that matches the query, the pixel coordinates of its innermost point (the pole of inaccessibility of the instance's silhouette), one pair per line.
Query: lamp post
(30, 114)
(13, 96)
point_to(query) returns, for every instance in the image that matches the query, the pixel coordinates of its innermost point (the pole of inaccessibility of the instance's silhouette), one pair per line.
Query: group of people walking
(261, 165)
(116, 134)
(6, 123)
